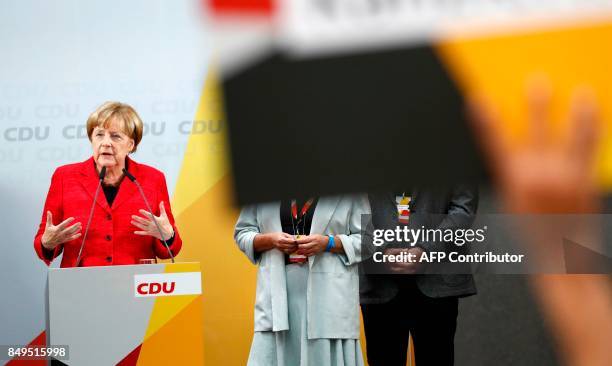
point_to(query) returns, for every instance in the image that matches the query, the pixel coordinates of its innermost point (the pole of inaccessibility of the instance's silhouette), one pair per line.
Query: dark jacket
(441, 208)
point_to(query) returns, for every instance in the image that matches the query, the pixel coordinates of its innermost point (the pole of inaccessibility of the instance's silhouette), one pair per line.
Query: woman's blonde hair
(130, 121)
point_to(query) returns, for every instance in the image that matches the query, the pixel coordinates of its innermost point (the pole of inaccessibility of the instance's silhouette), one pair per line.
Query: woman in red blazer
(122, 231)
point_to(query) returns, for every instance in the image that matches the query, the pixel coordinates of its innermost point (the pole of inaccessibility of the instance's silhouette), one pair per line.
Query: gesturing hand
(55, 235)
(148, 227)
(544, 173)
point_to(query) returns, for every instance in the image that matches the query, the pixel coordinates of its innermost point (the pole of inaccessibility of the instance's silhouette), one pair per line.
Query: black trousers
(431, 321)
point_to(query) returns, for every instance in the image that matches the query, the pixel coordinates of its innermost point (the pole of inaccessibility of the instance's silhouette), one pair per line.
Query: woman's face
(110, 145)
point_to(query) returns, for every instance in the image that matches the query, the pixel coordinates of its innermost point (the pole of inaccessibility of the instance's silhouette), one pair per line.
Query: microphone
(144, 198)
(91, 211)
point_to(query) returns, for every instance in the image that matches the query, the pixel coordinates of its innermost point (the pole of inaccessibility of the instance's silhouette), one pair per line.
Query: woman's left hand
(312, 244)
(148, 227)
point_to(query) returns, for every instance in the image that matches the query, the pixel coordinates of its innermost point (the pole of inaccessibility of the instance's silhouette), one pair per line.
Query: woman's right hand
(282, 241)
(55, 235)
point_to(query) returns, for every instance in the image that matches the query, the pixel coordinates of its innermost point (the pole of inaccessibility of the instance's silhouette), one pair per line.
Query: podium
(148, 314)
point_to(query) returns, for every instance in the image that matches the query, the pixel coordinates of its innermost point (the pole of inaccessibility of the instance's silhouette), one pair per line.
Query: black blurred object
(360, 122)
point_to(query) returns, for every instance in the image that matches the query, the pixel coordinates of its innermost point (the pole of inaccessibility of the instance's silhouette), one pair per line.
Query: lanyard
(303, 211)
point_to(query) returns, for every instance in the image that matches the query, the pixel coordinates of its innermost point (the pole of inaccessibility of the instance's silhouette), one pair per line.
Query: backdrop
(62, 59)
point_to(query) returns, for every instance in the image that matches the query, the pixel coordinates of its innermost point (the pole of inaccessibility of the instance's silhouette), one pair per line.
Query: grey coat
(333, 282)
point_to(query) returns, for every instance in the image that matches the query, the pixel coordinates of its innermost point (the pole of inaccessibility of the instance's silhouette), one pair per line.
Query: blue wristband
(331, 243)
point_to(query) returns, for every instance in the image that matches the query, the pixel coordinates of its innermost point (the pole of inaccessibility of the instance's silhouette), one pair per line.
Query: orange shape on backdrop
(174, 342)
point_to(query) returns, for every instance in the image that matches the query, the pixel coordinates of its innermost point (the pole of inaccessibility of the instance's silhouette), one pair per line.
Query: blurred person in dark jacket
(406, 300)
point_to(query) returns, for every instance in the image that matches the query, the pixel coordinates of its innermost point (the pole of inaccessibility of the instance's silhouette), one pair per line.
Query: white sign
(323, 26)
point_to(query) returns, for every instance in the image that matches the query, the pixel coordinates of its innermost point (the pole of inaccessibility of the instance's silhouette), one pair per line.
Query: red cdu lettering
(155, 288)
(168, 288)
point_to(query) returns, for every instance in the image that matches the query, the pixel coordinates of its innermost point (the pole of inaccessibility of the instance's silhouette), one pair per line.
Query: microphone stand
(144, 198)
(93, 205)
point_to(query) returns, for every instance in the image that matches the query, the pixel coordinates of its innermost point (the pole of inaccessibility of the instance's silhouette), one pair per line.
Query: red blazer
(111, 239)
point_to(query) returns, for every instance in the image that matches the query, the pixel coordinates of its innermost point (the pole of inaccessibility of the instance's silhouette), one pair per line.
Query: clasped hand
(408, 267)
(307, 245)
